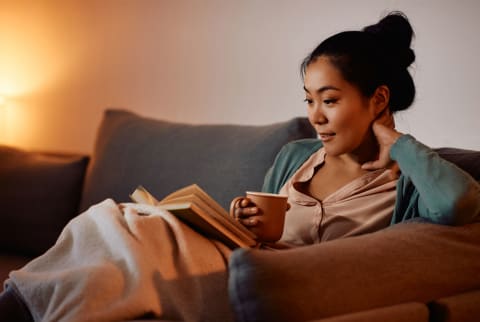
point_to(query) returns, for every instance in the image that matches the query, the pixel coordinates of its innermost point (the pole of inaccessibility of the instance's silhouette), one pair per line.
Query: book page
(194, 215)
(194, 189)
(227, 222)
(141, 195)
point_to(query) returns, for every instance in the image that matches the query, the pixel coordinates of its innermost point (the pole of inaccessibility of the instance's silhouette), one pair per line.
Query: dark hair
(378, 55)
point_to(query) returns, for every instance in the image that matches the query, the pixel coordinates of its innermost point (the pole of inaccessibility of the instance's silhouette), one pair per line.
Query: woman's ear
(380, 99)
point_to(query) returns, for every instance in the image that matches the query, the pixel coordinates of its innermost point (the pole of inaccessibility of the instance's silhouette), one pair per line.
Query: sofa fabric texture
(39, 193)
(468, 160)
(225, 160)
(464, 307)
(408, 262)
(405, 312)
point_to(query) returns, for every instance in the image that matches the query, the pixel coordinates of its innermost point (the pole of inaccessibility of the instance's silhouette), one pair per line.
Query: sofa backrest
(225, 160)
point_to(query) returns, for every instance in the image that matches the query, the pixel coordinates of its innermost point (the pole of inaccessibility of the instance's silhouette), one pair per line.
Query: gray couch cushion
(468, 160)
(225, 160)
(39, 194)
(409, 262)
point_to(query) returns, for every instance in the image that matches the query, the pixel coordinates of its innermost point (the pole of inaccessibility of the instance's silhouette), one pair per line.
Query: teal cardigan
(428, 187)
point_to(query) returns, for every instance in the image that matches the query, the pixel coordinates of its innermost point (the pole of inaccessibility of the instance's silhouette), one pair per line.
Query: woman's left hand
(384, 130)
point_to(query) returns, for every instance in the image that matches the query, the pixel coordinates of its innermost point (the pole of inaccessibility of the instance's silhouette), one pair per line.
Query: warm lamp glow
(2, 120)
(33, 53)
(36, 55)
(15, 122)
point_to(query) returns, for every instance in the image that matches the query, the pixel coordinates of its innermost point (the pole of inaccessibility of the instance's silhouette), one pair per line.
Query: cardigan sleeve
(431, 187)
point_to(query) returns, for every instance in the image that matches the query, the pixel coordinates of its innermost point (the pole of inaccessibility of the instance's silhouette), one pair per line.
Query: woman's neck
(367, 151)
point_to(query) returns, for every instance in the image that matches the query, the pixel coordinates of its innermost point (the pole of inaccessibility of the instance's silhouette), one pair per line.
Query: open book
(200, 211)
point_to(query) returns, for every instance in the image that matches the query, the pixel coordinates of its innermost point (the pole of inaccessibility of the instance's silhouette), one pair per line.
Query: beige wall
(213, 61)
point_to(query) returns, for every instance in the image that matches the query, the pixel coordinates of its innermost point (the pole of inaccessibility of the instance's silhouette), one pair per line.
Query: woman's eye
(330, 101)
(308, 101)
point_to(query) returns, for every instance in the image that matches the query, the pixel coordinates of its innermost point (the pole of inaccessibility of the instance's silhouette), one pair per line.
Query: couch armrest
(411, 312)
(458, 308)
(409, 262)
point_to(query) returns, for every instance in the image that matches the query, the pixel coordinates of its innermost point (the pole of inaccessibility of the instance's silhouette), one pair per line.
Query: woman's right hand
(244, 211)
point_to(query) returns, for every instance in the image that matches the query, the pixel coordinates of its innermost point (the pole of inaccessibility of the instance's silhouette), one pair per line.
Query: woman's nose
(317, 115)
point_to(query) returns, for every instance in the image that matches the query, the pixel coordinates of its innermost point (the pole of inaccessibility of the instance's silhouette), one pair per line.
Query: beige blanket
(119, 262)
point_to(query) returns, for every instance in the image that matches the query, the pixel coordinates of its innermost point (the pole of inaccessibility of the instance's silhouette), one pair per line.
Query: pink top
(363, 205)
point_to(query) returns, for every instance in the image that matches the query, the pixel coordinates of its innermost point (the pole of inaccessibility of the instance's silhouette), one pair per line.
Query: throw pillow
(39, 194)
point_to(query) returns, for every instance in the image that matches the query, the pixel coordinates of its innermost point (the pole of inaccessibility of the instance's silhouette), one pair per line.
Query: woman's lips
(325, 137)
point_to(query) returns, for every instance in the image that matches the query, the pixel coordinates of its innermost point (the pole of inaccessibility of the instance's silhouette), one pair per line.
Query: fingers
(386, 118)
(244, 202)
(234, 205)
(383, 161)
(385, 135)
(249, 222)
(372, 165)
(241, 213)
(242, 207)
(375, 165)
(244, 211)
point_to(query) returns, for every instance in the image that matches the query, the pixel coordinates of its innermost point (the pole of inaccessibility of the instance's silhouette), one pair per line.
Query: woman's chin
(335, 150)
(332, 150)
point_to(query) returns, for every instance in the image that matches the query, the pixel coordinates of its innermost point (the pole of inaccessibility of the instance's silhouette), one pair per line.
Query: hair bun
(395, 35)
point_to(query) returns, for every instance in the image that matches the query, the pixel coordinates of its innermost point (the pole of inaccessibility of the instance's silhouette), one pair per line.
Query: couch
(412, 271)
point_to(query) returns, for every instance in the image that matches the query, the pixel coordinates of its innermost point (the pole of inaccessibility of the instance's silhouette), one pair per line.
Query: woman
(347, 182)
(344, 184)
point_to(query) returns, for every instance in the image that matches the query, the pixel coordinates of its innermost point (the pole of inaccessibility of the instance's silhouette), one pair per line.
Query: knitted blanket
(119, 262)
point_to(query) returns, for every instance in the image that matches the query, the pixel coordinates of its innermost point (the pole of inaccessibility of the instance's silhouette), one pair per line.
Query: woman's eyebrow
(323, 89)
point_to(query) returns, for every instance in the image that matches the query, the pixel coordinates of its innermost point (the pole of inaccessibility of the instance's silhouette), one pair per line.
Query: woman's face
(338, 111)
